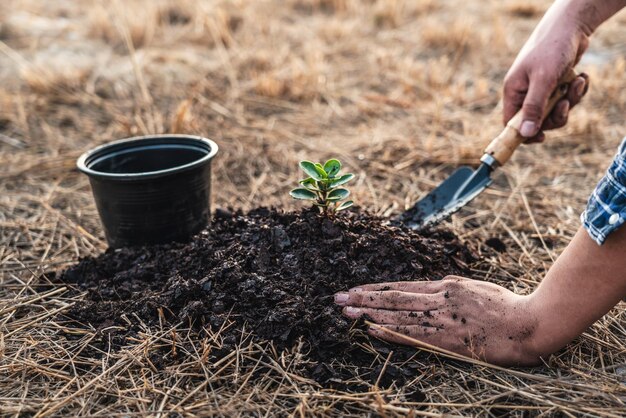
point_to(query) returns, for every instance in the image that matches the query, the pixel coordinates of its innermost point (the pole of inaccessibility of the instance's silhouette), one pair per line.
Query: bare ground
(401, 91)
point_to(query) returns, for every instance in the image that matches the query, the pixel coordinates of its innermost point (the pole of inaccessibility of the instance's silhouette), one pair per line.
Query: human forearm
(571, 19)
(588, 14)
(584, 284)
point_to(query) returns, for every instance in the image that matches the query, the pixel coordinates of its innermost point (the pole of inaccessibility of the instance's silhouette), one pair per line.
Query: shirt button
(614, 219)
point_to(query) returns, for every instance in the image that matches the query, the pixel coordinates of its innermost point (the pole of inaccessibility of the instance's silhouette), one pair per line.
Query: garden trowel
(466, 183)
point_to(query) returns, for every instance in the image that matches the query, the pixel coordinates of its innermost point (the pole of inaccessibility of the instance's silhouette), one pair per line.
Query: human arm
(555, 46)
(487, 321)
(585, 282)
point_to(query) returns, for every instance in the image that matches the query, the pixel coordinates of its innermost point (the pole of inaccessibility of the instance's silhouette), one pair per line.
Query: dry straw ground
(401, 91)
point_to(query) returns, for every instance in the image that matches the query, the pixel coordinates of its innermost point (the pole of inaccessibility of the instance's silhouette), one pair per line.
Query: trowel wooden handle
(503, 146)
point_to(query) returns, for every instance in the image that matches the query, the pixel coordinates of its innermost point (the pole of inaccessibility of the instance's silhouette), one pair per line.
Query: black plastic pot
(151, 189)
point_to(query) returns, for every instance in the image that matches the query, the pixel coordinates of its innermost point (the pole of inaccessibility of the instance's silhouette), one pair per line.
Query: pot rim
(87, 158)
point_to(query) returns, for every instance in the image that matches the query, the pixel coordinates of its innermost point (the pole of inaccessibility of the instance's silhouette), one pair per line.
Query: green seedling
(322, 187)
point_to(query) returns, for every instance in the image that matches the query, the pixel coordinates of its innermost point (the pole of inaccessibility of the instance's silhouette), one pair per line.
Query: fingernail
(351, 310)
(528, 129)
(580, 89)
(341, 298)
(356, 289)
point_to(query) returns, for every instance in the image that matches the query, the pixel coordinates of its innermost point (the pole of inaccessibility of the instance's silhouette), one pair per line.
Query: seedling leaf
(310, 168)
(320, 170)
(332, 167)
(344, 205)
(338, 194)
(303, 194)
(342, 180)
(310, 184)
(321, 187)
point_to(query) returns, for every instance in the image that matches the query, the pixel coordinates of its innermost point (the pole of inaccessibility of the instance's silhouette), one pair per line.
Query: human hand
(555, 46)
(470, 317)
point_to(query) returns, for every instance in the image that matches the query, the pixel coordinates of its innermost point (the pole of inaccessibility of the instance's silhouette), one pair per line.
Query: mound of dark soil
(274, 273)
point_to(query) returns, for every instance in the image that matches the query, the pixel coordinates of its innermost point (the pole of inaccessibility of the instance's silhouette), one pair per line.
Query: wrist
(535, 344)
(532, 343)
(560, 28)
(555, 325)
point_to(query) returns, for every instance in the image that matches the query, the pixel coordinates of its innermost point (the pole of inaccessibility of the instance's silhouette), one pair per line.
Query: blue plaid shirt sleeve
(606, 208)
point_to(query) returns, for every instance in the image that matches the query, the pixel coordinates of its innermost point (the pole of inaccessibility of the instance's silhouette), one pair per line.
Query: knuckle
(404, 286)
(399, 299)
(436, 286)
(574, 101)
(544, 75)
(453, 286)
(507, 87)
(411, 330)
(532, 110)
(514, 81)
(452, 282)
(372, 315)
(356, 298)
(514, 92)
(452, 279)
(394, 297)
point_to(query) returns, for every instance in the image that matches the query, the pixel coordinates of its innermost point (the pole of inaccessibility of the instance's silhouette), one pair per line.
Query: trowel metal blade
(450, 196)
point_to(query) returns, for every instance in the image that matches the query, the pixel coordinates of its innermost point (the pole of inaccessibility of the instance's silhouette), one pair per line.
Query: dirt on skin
(271, 273)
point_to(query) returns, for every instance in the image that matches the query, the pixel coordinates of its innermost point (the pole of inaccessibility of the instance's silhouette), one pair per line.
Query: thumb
(536, 99)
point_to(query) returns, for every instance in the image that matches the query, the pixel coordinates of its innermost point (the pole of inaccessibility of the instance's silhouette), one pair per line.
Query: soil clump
(273, 274)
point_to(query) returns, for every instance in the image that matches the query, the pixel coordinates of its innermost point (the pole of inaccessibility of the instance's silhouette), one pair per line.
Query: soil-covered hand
(469, 317)
(555, 46)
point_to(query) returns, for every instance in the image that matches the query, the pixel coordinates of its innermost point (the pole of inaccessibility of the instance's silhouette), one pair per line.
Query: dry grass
(455, 38)
(527, 9)
(401, 91)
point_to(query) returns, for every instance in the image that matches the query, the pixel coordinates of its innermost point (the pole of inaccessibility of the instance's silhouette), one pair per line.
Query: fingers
(390, 300)
(532, 96)
(384, 316)
(515, 87)
(416, 332)
(411, 287)
(541, 87)
(430, 335)
(540, 137)
(577, 89)
(559, 115)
